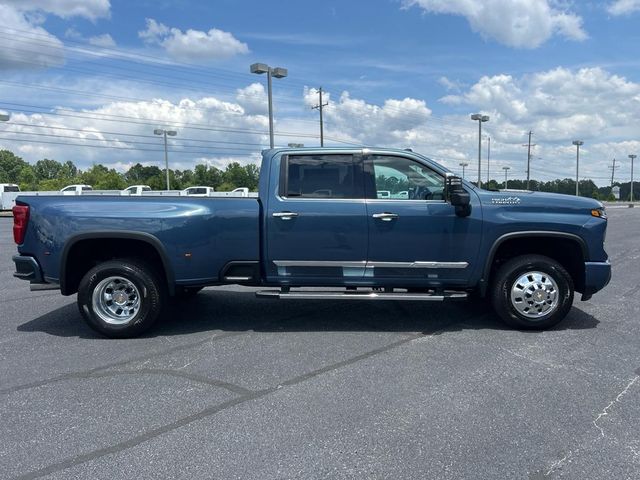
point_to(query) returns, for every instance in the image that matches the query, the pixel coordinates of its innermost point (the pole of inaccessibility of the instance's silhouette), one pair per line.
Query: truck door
(315, 220)
(415, 237)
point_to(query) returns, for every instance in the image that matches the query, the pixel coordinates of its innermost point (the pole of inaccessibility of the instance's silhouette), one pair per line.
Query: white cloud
(516, 23)
(253, 99)
(90, 9)
(225, 123)
(193, 45)
(372, 124)
(104, 40)
(623, 7)
(559, 104)
(30, 47)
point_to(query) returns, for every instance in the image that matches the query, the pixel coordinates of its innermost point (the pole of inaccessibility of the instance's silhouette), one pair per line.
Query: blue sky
(402, 73)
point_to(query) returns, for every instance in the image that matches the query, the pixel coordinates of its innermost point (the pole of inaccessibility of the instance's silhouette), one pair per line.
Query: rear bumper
(27, 268)
(596, 277)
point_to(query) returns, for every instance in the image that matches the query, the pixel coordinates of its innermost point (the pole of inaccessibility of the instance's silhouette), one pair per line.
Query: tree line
(567, 186)
(48, 174)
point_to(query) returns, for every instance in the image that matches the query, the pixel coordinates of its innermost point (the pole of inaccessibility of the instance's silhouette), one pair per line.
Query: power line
(125, 148)
(155, 122)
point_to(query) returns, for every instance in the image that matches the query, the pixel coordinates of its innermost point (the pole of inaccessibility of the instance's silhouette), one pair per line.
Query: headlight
(599, 212)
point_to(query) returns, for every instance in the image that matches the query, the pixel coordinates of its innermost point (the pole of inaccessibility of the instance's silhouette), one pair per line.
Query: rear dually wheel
(121, 298)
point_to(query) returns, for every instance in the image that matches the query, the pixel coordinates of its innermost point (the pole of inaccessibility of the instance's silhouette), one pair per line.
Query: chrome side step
(365, 295)
(37, 287)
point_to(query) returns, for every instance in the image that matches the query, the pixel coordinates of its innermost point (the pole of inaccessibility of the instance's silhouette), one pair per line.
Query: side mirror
(458, 196)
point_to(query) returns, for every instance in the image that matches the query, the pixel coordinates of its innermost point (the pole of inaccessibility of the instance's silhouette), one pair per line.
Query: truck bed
(199, 235)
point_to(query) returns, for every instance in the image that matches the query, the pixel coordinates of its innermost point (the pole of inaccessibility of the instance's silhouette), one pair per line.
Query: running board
(353, 295)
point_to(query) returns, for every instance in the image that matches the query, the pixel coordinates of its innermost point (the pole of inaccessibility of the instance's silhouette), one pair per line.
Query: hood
(522, 199)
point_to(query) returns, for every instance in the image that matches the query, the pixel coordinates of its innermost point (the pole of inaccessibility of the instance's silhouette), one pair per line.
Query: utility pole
(320, 107)
(613, 170)
(488, 158)
(529, 145)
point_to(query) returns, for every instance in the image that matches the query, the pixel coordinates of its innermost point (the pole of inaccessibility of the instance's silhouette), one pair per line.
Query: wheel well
(86, 254)
(565, 251)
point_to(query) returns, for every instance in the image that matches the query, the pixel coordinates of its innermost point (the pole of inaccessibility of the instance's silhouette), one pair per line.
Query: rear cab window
(329, 176)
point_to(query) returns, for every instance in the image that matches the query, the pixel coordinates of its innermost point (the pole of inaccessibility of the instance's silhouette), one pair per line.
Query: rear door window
(321, 176)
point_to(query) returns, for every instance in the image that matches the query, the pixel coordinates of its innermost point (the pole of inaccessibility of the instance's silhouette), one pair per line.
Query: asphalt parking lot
(230, 386)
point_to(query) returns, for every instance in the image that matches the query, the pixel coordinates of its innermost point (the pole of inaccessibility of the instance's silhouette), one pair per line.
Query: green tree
(10, 167)
(47, 169)
(27, 179)
(140, 175)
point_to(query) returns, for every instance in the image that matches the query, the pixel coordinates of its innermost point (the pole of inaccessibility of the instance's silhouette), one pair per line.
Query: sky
(89, 80)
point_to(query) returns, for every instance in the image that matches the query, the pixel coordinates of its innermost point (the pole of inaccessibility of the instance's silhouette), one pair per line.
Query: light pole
(463, 165)
(506, 169)
(488, 157)
(277, 72)
(632, 157)
(577, 143)
(480, 118)
(164, 133)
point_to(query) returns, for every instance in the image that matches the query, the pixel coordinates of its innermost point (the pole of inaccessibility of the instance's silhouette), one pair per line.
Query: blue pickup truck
(371, 224)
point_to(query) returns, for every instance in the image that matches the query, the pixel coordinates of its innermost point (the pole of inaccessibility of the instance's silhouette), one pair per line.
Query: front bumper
(596, 276)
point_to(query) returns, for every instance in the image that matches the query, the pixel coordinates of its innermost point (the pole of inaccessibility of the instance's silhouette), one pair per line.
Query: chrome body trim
(365, 264)
(313, 263)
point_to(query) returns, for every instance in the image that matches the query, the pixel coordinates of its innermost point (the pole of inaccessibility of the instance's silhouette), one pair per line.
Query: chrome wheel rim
(534, 294)
(116, 300)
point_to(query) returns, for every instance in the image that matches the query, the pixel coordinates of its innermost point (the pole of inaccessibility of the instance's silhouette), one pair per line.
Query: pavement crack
(558, 464)
(172, 373)
(145, 358)
(212, 410)
(612, 403)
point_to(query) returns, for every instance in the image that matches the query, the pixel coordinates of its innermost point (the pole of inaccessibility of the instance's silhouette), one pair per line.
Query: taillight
(20, 220)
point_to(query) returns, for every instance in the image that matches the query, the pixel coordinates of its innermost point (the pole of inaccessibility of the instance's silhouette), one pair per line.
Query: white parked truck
(8, 194)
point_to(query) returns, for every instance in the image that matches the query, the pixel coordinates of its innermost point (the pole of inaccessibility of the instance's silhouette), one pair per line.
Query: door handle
(385, 217)
(284, 215)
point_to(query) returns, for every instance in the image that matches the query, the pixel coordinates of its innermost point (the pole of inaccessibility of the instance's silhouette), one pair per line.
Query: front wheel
(532, 292)
(120, 298)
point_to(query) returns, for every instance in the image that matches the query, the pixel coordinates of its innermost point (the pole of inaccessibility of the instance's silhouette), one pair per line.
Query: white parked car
(198, 191)
(136, 190)
(76, 189)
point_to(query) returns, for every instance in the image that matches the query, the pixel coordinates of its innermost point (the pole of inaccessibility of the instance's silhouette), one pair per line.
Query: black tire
(136, 280)
(514, 270)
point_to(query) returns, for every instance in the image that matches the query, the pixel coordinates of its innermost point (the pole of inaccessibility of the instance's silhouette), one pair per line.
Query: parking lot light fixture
(164, 133)
(506, 169)
(632, 157)
(463, 165)
(278, 72)
(577, 143)
(5, 117)
(480, 119)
